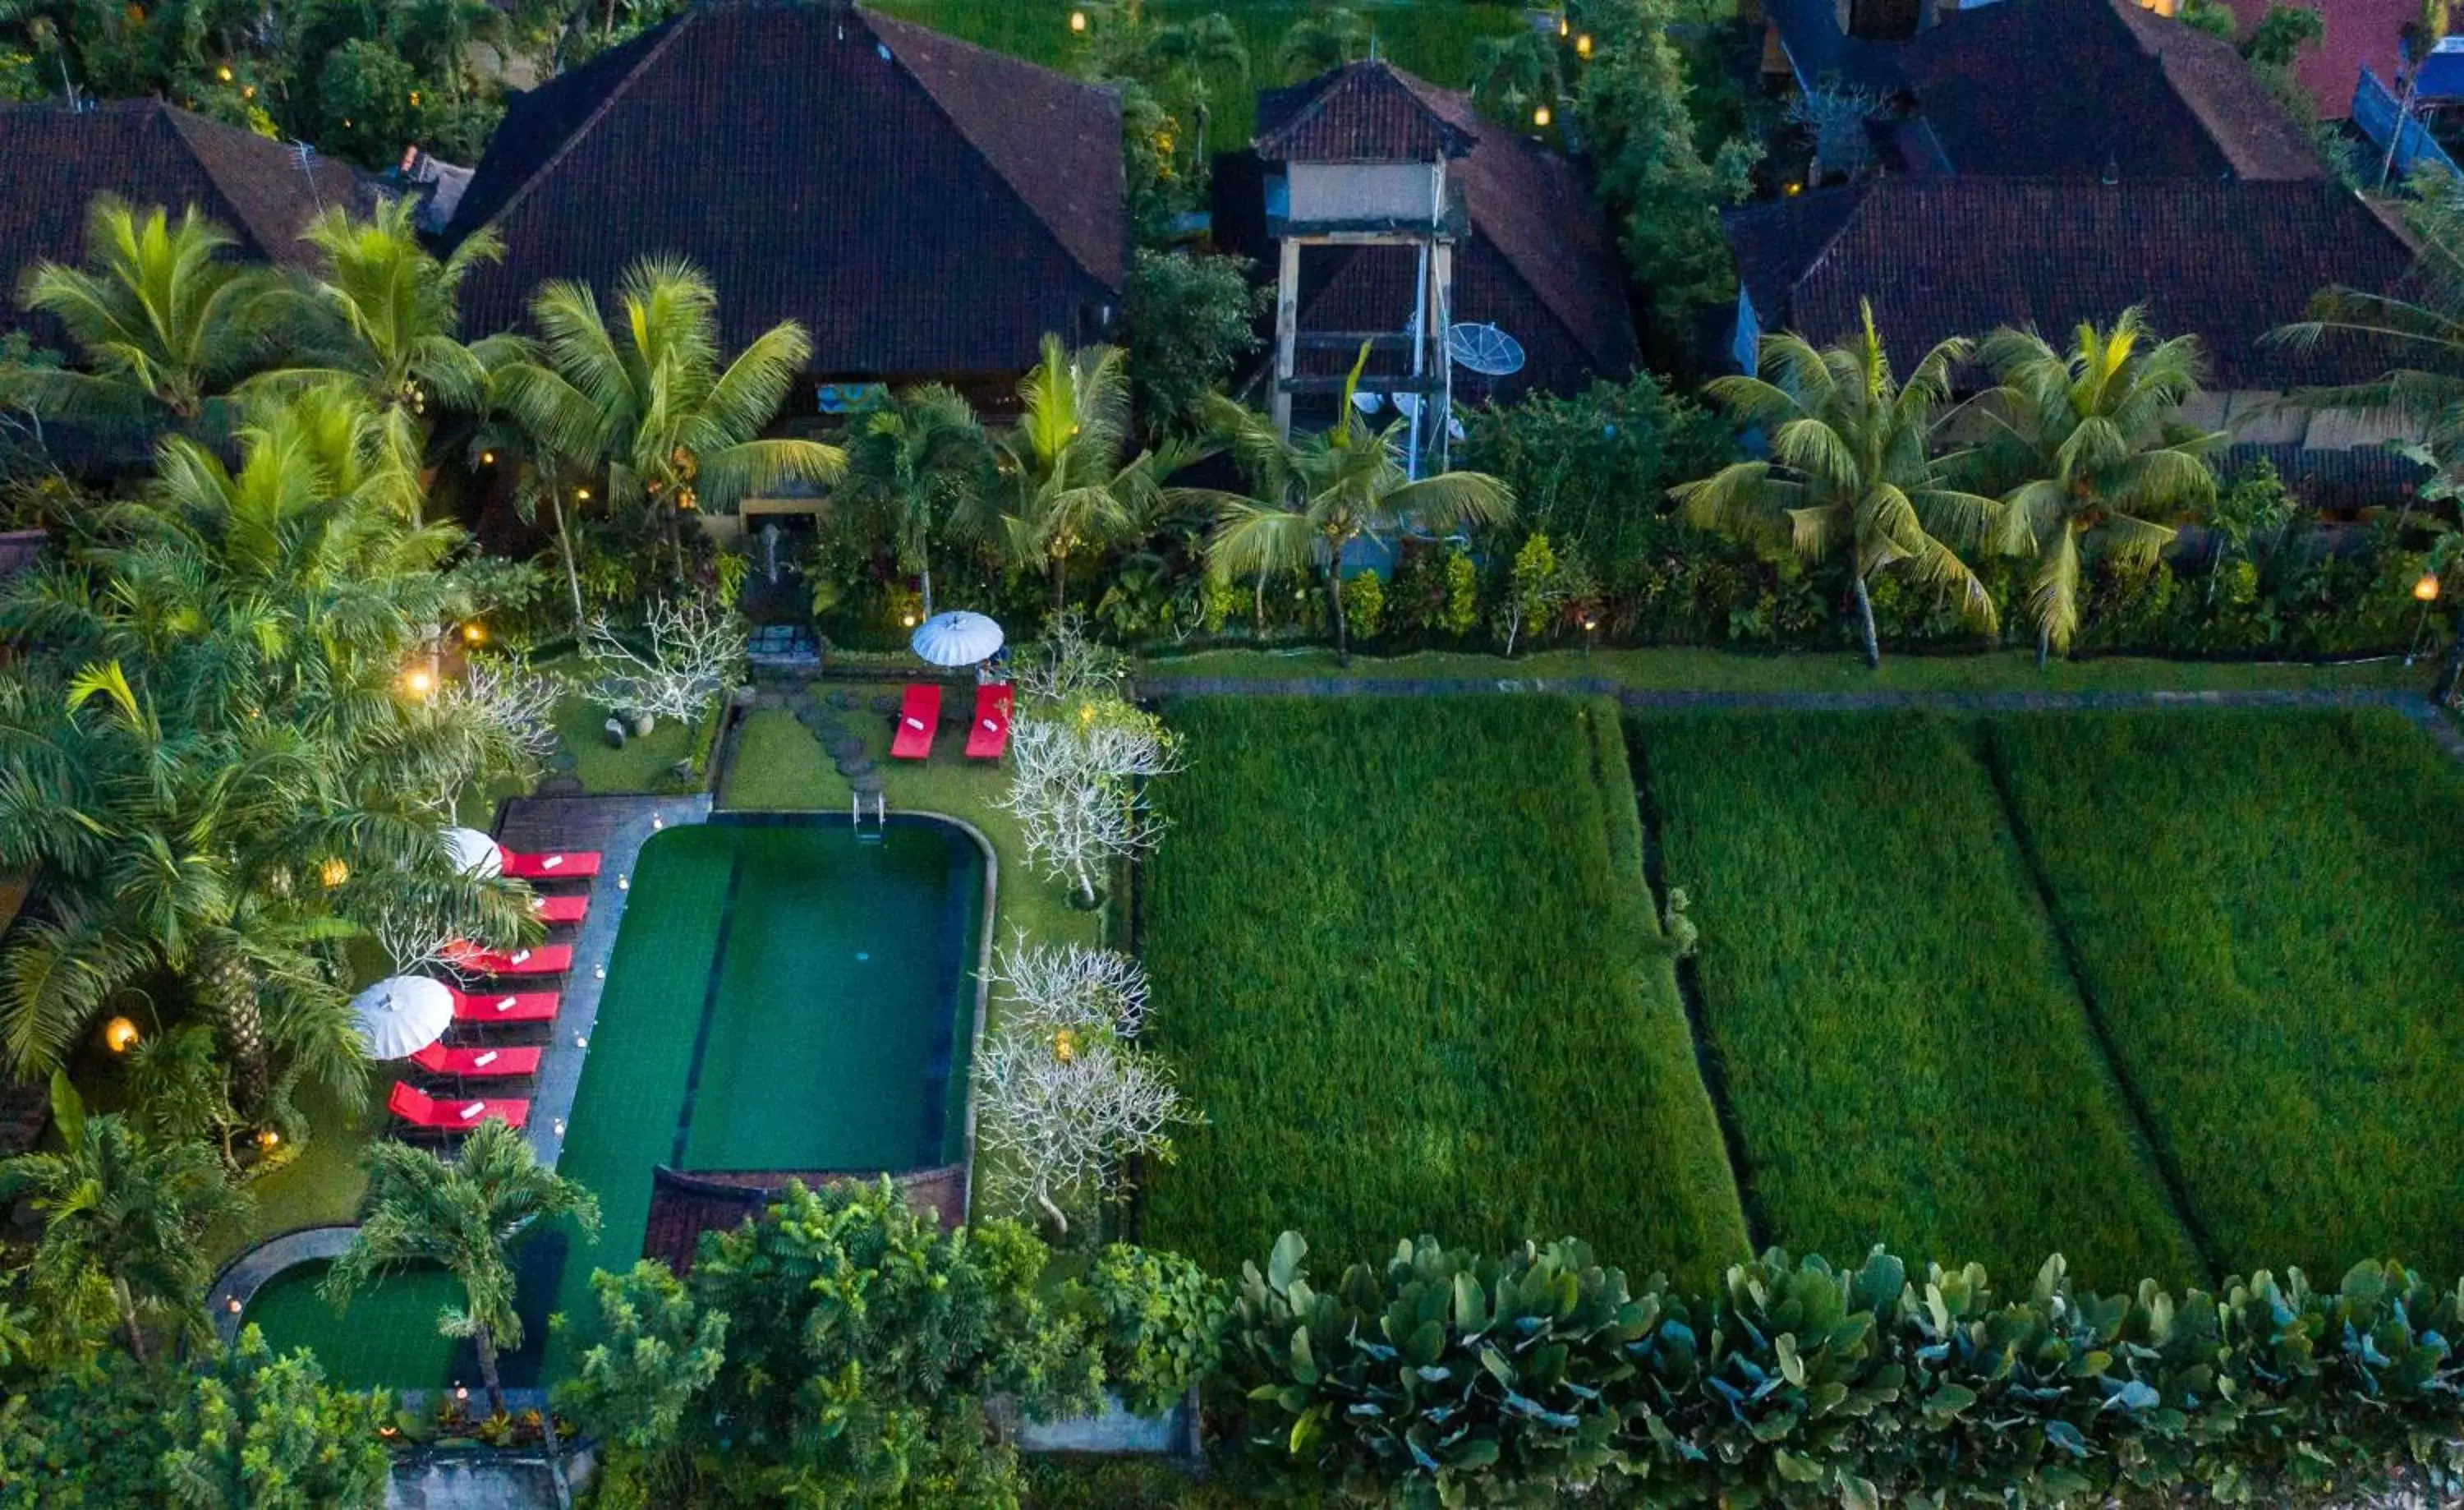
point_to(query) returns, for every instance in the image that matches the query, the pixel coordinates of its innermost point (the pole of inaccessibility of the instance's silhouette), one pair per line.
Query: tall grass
(1904, 1053)
(2266, 908)
(1403, 960)
(1432, 39)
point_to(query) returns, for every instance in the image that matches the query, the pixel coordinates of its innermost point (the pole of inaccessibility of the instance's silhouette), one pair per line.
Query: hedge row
(1456, 1378)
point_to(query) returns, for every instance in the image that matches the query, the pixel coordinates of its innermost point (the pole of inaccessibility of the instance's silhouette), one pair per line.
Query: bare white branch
(1065, 1110)
(1076, 774)
(696, 654)
(506, 697)
(1047, 991)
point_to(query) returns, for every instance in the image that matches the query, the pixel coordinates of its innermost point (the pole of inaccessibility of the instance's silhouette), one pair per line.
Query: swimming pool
(784, 994)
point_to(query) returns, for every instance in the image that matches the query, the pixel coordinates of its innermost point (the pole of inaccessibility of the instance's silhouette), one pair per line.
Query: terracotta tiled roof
(2096, 88)
(2226, 261)
(149, 153)
(1364, 112)
(920, 205)
(2360, 34)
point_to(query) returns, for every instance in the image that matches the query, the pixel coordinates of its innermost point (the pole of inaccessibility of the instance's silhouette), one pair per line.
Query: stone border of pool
(983, 984)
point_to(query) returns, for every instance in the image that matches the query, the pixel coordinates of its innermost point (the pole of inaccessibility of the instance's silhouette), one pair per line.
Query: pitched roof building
(148, 153)
(2043, 88)
(1356, 172)
(923, 206)
(2226, 261)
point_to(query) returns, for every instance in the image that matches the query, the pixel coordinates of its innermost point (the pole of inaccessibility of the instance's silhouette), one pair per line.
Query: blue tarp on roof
(2442, 72)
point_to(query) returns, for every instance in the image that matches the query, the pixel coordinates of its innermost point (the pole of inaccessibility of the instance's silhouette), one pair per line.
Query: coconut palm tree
(672, 422)
(2417, 328)
(922, 459)
(1318, 493)
(1853, 473)
(461, 1217)
(2085, 442)
(382, 318)
(162, 323)
(132, 1211)
(1068, 493)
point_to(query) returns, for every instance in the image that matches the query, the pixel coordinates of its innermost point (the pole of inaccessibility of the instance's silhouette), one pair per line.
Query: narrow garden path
(2413, 705)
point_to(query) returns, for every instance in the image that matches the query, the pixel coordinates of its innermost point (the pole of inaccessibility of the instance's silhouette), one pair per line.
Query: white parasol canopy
(957, 638)
(402, 1014)
(473, 853)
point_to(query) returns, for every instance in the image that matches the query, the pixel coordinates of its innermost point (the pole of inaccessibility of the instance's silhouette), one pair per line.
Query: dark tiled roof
(920, 205)
(148, 153)
(2088, 88)
(2226, 261)
(2345, 479)
(1365, 112)
(1818, 48)
(1541, 261)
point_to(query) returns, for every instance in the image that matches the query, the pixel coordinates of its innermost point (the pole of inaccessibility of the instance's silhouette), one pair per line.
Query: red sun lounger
(506, 1005)
(577, 864)
(453, 1113)
(571, 907)
(546, 959)
(988, 736)
(477, 1064)
(918, 717)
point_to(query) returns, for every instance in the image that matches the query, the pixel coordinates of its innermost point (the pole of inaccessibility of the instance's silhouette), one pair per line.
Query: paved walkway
(2413, 705)
(617, 827)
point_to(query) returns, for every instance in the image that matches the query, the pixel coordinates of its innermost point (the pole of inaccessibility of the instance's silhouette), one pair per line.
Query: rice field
(1404, 964)
(1903, 1049)
(2265, 911)
(1432, 39)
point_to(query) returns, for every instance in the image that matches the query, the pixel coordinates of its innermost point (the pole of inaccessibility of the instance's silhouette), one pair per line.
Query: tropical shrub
(1457, 1377)
(1156, 1315)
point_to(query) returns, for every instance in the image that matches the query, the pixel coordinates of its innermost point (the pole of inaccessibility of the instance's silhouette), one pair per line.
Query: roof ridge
(871, 19)
(234, 206)
(1865, 194)
(624, 85)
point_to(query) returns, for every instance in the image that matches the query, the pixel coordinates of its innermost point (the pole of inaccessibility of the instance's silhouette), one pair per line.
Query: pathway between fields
(2413, 705)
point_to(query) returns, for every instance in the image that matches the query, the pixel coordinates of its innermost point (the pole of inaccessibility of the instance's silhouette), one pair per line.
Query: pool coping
(235, 1285)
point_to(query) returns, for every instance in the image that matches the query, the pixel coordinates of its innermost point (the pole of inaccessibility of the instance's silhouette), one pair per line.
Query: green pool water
(781, 996)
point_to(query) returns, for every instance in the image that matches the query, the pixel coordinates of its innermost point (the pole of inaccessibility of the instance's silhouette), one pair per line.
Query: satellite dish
(1453, 427)
(1408, 405)
(1365, 402)
(1483, 349)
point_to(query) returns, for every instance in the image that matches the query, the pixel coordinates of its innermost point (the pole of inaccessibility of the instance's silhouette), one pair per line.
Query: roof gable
(150, 153)
(2226, 263)
(2096, 88)
(1364, 112)
(919, 204)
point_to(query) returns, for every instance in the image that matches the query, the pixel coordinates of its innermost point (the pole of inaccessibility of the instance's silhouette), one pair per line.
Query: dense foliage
(1905, 1053)
(1456, 1377)
(1400, 952)
(2274, 949)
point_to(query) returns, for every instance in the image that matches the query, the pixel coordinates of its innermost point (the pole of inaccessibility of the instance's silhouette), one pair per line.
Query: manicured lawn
(1400, 961)
(1432, 39)
(2266, 912)
(1728, 671)
(1906, 1056)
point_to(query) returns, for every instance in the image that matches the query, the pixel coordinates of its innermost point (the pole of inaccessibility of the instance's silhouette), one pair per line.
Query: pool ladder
(880, 817)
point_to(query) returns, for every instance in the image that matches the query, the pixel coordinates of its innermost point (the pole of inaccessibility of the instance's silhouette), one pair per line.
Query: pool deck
(617, 827)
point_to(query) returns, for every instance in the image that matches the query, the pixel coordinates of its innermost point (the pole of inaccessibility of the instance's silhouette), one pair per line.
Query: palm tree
(383, 319)
(462, 1218)
(2086, 443)
(923, 459)
(1319, 493)
(2417, 327)
(131, 1211)
(162, 321)
(673, 424)
(1069, 492)
(1853, 472)
(2420, 37)
(1321, 41)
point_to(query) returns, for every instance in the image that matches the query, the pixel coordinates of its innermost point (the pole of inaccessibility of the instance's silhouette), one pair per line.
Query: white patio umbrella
(473, 853)
(402, 1014)
(958, 638)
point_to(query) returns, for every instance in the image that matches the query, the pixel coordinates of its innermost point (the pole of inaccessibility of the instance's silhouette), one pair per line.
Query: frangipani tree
(1068, 1093)
(695, 652)
(1853, 474)
(1080, 754)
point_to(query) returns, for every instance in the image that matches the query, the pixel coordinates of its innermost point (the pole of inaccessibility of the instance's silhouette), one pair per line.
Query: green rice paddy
(782, 997)
(1402, 963)
(1904, 1052)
